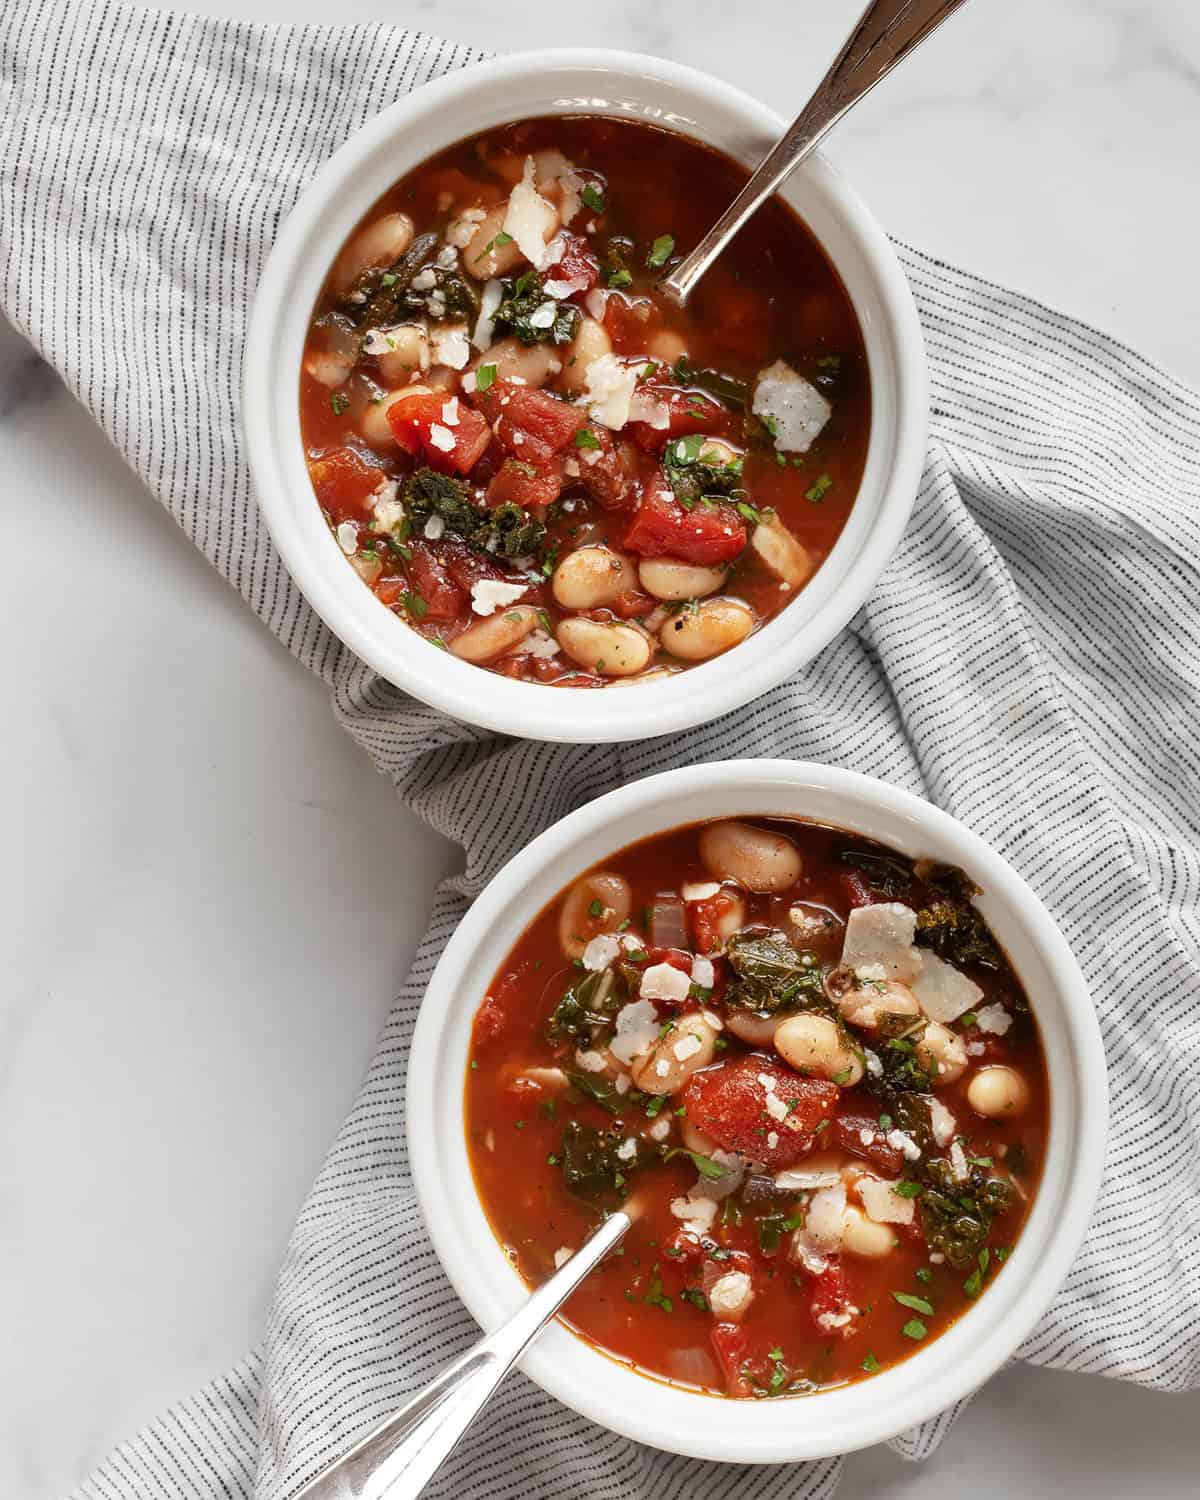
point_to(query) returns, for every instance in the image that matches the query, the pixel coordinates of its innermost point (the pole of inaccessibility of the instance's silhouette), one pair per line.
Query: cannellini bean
(373, 424)
(786, 557)
(379, 244)
(754, 1030)
(533, 365)
(862, 1236)
(408, 350)
(666, 1068)
(590, 343)
(591, 576)
(483, 258)
(665, 578)
(655, 674)
(868, 1005)
(578, 921)
(666, 346)
(753, 858)
(998, 1092)
(329, 368)
(496, 634)
(610, 649)
(942, 1055)
(712, 627)
(814, 1045)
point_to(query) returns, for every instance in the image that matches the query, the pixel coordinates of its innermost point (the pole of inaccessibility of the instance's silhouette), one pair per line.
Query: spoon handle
(402, 1454)
(887, 31)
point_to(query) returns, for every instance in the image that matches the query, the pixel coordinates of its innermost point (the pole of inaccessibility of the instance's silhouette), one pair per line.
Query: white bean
(408, 350)
(814, 1045)
(496, 634)
(329, 368)
(868, 1005)
(655, 674)
(610, 649)
(753, 1029)
(696, 1140)
(666, 346)
(483, 258)
(942, 1055)
(753, 858)
(367, 568)
(513, 361)
(590, 343)
(786, 557)
(591, 576)
(998, 1092)
(374, 425)
(597, 903)
(862, 1236)
(666, 1068)
(379, 244)
(665, 578)
(713, 626)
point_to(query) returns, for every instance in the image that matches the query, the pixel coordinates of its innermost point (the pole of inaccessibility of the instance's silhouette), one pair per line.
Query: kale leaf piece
(519, 303)
(957, 1216)
(890, 878)
(769, 974)
(590, 1164)
(605, 1093)
(726, 388)
(503, 531)
(951, 925)
(694, 481)
(586, 1007)
(378, 295)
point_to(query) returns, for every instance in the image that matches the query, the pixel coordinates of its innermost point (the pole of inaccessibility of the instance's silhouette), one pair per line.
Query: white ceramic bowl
(940, 1372)
(577, 81)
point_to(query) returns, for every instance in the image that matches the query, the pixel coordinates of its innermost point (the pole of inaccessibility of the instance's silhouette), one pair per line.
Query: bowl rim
(899, 384)
(949, 1367)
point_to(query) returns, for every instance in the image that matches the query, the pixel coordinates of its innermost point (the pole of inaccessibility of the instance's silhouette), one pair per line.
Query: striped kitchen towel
(1030, 662)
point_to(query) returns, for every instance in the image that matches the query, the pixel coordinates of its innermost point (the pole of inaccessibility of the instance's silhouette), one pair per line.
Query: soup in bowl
(829, 1052)
(497, 462)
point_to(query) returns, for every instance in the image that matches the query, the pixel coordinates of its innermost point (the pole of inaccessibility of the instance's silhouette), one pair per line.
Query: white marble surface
(209, 898)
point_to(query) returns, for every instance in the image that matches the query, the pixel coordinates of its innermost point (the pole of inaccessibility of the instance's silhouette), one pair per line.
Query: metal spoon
(887, 31)
(402, 1454)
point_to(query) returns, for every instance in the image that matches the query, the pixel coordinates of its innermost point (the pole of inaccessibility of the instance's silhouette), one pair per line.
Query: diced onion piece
(786, 557)
(530, 219)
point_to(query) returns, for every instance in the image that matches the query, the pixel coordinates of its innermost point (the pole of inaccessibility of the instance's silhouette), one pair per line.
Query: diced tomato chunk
(632, 604)
(575, 264)
(731, 1344)
(706, 916)
(829, 1301)
(728, 1103)
(861, 1135)
(607, 473)
(430, 580)
(490, 1020)
(465, 566)
(419, 424)
(344, 481)
(535, 415)
(525, 484)
(687, 411)
(704, 535)
(857, 891)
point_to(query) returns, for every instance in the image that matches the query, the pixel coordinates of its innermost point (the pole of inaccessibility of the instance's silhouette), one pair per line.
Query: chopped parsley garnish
(485, 377)
(596, 909)
(655, 1297)
(819, 488)
(593, 197)
(914, 1304)
(661, 251)
(914, 1329)
(414, 604)
(870, 1365)
(498, 243)
(655, 1105)
(586, 438)
(703, 1164)
(620, 279)
(696, 1297)
(907, 1189)
(338, 403)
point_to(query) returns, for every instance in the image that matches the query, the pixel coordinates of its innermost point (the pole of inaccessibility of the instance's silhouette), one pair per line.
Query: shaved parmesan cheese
(703, 973)
(561, 1256)
(627, 1150)
(601, 951)
(660, 1129)
(821, 1232)
(775, 1107)
(442, 438)
(942, 991)
(347, 536)
(942, 1122)
(993, 1019)
(793, 410)
(645, 408)
(450, 345)
(485, 324)
(663, 982)
(537, 643)
(695, 1214)
(883, 1203)
(387, 511)
(958, 1163)
(610, 388)
(686, 1046)
(591, 1062)
(637, 1030)
(490, 594)
(882, 934)
(434, 528)
(805, 1179)
(905, 1144)
(544, 314)
(731, 1295)
(461, 231)
(700, 891)
(530, 219)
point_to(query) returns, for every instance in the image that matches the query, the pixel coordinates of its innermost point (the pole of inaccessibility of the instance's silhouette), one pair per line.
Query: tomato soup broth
(536, 461)
(727, 1030)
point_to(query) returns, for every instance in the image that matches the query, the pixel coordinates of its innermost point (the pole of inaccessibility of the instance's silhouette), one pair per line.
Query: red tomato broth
(513, 1143)
(775, 295)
